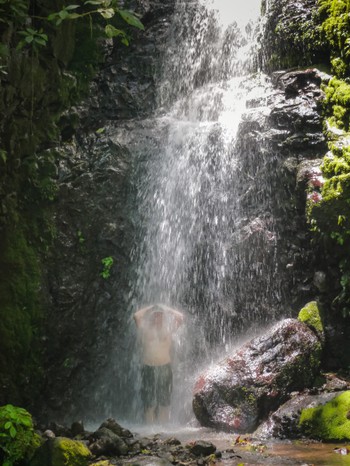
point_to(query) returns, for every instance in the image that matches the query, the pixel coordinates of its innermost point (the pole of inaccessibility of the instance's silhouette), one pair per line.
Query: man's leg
(150, 415)
(163, 414)
(164, 396)
(148, 394)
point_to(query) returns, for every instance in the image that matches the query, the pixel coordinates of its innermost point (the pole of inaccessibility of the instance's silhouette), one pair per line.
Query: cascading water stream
(207, 237)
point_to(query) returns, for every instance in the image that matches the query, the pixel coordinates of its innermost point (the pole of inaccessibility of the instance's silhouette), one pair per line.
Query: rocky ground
(111, 444)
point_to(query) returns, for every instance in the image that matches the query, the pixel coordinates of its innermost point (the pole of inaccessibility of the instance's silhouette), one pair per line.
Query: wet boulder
(202, 448)
(106, 442)
(240, 391)
(116, 428)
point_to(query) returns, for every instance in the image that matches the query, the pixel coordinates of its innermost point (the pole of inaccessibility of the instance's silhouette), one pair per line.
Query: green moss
(67, 452)
(337, 103)
(336, 30)
(311, 316)
(328, 422)
(293, 39)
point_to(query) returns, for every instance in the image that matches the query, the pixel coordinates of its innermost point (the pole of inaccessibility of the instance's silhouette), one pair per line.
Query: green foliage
(106, 9)
(32, 37)
(107, 263)
(81, 238)
(14, 11)
(328, 422)
(18, 441)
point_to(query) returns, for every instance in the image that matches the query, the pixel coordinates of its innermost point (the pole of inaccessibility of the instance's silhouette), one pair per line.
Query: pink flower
(314, 197)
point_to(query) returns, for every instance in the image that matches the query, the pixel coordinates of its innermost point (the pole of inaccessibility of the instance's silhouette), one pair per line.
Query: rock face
(240, 391)
(95, 215)
(94, 220)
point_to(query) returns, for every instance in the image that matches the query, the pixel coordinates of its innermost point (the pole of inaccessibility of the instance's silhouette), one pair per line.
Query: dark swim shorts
(157, 384)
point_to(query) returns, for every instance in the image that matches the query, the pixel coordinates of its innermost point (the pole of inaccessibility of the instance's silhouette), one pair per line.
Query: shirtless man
(156, 325)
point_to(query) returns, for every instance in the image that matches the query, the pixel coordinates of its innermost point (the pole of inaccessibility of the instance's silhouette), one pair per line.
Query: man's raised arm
(138, 316)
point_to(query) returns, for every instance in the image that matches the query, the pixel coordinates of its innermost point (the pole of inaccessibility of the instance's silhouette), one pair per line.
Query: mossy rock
(311, 316)
(102, 463)
(62, 451)
(67, 452)
(328, 422)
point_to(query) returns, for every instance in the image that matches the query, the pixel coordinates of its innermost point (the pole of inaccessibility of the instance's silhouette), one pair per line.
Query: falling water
(207, 231)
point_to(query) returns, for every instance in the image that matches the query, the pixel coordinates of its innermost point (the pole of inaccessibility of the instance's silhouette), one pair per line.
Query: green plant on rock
(107, 263)
(18, 441)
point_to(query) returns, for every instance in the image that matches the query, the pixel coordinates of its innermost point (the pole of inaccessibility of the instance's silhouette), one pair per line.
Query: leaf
(100, 130)
(74, 16)
(52, 16)
(94, 2)
(111, 31)
(131, 19)
(107, 13)
(26, 421)
(39, 41)
(3, 155)
(63, 14)
(72, 7)
(29, 39)
(13, 432)
(8, 425)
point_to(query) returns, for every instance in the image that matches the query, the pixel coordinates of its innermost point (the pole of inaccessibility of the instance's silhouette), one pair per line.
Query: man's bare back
(156, 345)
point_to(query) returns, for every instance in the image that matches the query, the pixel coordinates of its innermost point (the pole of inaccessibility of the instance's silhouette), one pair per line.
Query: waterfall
(204, 180)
